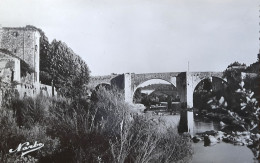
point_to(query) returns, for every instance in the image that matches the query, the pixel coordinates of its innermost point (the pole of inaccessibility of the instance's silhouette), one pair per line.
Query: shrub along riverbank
(235, 107)
(105, 129)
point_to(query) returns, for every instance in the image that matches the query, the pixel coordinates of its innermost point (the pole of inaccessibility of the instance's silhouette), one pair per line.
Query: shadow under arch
(213, 79)
(205, 86)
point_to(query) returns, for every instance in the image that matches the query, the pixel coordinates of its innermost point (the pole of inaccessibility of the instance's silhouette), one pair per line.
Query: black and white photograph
(129, 81)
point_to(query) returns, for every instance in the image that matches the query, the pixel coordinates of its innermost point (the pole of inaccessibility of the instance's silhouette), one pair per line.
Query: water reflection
(205, 125)
(220, 152)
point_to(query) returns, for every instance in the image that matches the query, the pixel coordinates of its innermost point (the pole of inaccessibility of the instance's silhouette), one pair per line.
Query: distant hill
(162, 91)
(160, 87)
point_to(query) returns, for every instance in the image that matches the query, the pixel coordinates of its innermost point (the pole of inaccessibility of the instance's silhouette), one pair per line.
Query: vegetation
(104, 130)
(60, 66)
(160, 94)
(236, 104)
(74, 128)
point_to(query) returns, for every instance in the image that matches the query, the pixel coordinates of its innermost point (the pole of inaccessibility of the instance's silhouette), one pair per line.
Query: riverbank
(236, 138)
(221, 153)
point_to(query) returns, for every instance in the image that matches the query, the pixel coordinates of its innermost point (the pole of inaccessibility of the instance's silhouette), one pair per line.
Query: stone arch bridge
(185, 82)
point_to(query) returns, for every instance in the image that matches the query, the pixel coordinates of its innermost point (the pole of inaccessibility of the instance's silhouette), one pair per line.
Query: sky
(145, 36)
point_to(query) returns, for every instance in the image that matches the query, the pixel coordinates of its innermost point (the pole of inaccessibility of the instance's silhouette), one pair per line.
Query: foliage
(138, 138)
(236, 64)
(104, 130)
(233, 76)
(160, 87)
(253, 68)
(12, 135)
(68, 71)
(29, 111)
(248, 110)
(237, 104)
(150, 142)
(138, 95)
(25, 68)
(60, 65)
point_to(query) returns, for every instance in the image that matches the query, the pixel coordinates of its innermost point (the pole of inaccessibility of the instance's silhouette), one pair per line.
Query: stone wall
(32, 90)
(27, 90)
(97, 80)
(46, 90)
(9, 70)
(138, 79)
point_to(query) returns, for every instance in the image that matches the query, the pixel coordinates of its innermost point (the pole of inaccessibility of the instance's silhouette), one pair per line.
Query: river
(220, 152)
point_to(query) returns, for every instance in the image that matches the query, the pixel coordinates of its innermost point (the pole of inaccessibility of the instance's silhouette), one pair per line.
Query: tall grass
(103, 130)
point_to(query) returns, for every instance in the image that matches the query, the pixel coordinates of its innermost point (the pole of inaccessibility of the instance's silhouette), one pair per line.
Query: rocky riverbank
(245, 138)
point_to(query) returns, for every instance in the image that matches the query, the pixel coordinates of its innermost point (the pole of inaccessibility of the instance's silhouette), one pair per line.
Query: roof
(21, 28)
(5, 51)
(26, 28)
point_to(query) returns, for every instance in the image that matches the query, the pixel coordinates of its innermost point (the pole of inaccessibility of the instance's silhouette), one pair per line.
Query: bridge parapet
(96, 80)
(140, 78)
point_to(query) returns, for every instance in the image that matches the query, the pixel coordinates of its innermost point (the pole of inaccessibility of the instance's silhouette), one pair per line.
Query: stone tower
(23, 42)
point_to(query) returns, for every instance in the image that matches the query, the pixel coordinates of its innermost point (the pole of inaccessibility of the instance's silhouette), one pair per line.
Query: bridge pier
(189, 90)
(128, 88)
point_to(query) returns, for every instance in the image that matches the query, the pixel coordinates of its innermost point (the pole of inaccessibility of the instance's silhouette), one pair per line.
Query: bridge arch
(211, 78)
(105, 84)
(151, 82)
(214, 84)
(193, 79)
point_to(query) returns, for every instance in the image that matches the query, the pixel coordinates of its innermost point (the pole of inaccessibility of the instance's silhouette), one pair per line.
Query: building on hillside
(241, 67)
(20, 46)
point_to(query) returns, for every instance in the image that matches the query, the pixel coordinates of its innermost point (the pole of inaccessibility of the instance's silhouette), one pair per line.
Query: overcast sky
(141, 36)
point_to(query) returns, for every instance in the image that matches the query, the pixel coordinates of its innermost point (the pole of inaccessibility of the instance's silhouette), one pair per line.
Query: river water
(221, 152)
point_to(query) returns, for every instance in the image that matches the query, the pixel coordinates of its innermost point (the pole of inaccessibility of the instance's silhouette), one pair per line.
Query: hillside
(160, 87)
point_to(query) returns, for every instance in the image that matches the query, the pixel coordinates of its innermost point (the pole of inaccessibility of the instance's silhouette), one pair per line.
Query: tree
(60, 65)
(207, 85)
(137, 95)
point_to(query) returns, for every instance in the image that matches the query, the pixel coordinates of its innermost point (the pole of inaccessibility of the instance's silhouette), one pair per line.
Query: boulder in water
(210, 140)
(196, 139)
(221, 100)
(222, 123)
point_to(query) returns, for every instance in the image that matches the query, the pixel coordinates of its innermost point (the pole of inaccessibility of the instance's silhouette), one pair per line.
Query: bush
(29, 111)
(136, 138)
(105, 130)
(11, 135)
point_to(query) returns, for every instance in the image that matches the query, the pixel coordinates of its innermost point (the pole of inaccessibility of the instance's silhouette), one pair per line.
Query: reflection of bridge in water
(185, 82)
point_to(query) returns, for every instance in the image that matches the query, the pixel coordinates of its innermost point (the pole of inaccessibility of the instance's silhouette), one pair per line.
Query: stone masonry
(185, 82)
(19, 44)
